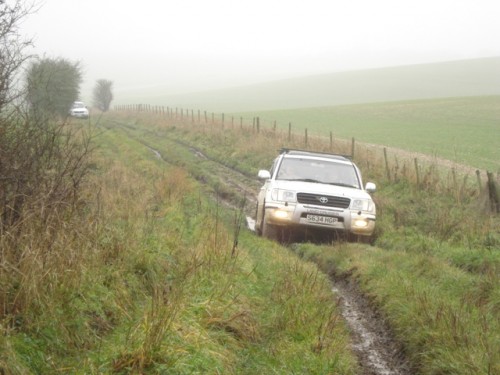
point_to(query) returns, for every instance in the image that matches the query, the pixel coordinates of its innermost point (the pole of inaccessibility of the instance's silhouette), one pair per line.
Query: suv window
(317, 170)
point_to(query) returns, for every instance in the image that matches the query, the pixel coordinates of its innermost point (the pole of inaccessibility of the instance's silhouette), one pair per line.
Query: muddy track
(228, 179)
(372, 341)
(377, 350)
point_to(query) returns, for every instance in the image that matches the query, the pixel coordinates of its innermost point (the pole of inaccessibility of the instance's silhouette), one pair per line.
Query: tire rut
(372, 341)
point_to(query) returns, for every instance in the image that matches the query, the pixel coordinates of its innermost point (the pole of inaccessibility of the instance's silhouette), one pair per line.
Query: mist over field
(313, 53)
(462, 78)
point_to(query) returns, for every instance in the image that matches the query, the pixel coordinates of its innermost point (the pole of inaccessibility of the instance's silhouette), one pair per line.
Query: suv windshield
(322, 171)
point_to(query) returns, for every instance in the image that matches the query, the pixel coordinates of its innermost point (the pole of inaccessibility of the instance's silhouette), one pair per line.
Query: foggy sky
(196, 45)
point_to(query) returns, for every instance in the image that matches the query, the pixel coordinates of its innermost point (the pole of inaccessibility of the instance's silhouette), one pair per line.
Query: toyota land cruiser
(309, 191)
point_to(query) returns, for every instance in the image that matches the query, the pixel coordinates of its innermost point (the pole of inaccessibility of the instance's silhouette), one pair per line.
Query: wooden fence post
(305, 138)
(331, 141)
(289, 131)
(353, 143)
(478, 177)
(417, 173)
(388, 172)
(454, 177)
(492, 193)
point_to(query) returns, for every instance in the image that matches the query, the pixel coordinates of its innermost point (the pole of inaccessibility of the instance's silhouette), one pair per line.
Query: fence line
(486, 182)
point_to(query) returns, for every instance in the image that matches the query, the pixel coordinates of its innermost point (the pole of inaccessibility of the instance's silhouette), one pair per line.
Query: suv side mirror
(264, 175)
(370, 187)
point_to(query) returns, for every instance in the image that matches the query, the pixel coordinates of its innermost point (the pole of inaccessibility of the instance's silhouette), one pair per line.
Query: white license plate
(321, 219)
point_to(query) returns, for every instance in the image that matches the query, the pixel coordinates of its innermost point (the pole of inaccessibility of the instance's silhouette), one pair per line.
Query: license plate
(321, 219)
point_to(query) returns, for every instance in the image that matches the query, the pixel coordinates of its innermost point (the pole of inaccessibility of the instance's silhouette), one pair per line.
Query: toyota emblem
(323, 200)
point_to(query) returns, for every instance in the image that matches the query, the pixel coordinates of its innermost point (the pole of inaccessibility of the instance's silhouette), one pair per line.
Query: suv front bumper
(290, 215)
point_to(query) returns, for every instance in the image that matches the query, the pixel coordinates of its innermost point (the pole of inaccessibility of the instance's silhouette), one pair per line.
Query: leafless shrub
(12, 48)
(42, 168)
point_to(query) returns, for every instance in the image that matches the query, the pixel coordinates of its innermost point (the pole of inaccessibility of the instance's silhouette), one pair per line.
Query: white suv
(78, 109)
(306, 191)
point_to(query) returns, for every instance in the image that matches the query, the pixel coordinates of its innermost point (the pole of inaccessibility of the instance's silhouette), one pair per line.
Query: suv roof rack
(285, 150)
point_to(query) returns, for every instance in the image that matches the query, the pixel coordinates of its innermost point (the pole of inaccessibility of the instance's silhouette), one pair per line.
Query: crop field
(462, 130)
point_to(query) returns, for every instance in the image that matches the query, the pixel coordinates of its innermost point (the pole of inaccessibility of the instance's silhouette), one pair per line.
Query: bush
(42, 168)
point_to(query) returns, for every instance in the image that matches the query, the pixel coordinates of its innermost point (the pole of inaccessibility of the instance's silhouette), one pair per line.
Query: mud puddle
(378, 352)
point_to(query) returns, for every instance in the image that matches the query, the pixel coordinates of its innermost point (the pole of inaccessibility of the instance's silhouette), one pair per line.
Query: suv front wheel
(268, 230)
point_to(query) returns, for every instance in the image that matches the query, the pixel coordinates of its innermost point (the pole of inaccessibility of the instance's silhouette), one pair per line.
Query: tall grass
(160, 285)
(47, 231)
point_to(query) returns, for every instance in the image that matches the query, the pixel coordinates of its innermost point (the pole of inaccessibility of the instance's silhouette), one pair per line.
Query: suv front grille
(323, 200)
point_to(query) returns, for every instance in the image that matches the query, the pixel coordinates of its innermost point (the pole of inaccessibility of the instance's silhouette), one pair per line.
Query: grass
(162, 285)
(434, 273)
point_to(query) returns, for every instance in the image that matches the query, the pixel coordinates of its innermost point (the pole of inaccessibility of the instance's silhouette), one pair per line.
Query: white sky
(195, 45)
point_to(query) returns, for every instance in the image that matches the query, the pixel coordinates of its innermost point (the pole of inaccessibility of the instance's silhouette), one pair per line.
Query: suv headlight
(283, 195)
(362, 205)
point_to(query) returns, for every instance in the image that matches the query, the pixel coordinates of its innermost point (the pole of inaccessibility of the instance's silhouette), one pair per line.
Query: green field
(463, 130)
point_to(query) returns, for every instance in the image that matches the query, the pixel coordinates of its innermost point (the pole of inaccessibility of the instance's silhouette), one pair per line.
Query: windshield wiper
(320, 182)
(309, 180)
(341, 184)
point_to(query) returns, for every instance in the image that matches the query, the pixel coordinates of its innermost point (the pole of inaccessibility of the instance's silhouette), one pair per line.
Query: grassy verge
(171, 285)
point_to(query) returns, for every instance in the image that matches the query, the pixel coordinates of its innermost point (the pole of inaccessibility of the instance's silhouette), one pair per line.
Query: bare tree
(12, 47)
(102, 94)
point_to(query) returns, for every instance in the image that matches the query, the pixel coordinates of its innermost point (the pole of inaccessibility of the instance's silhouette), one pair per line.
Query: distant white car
(79, 110)
(307, 192)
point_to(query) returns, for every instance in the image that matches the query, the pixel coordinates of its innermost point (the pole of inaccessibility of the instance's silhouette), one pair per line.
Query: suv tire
(268, 230)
